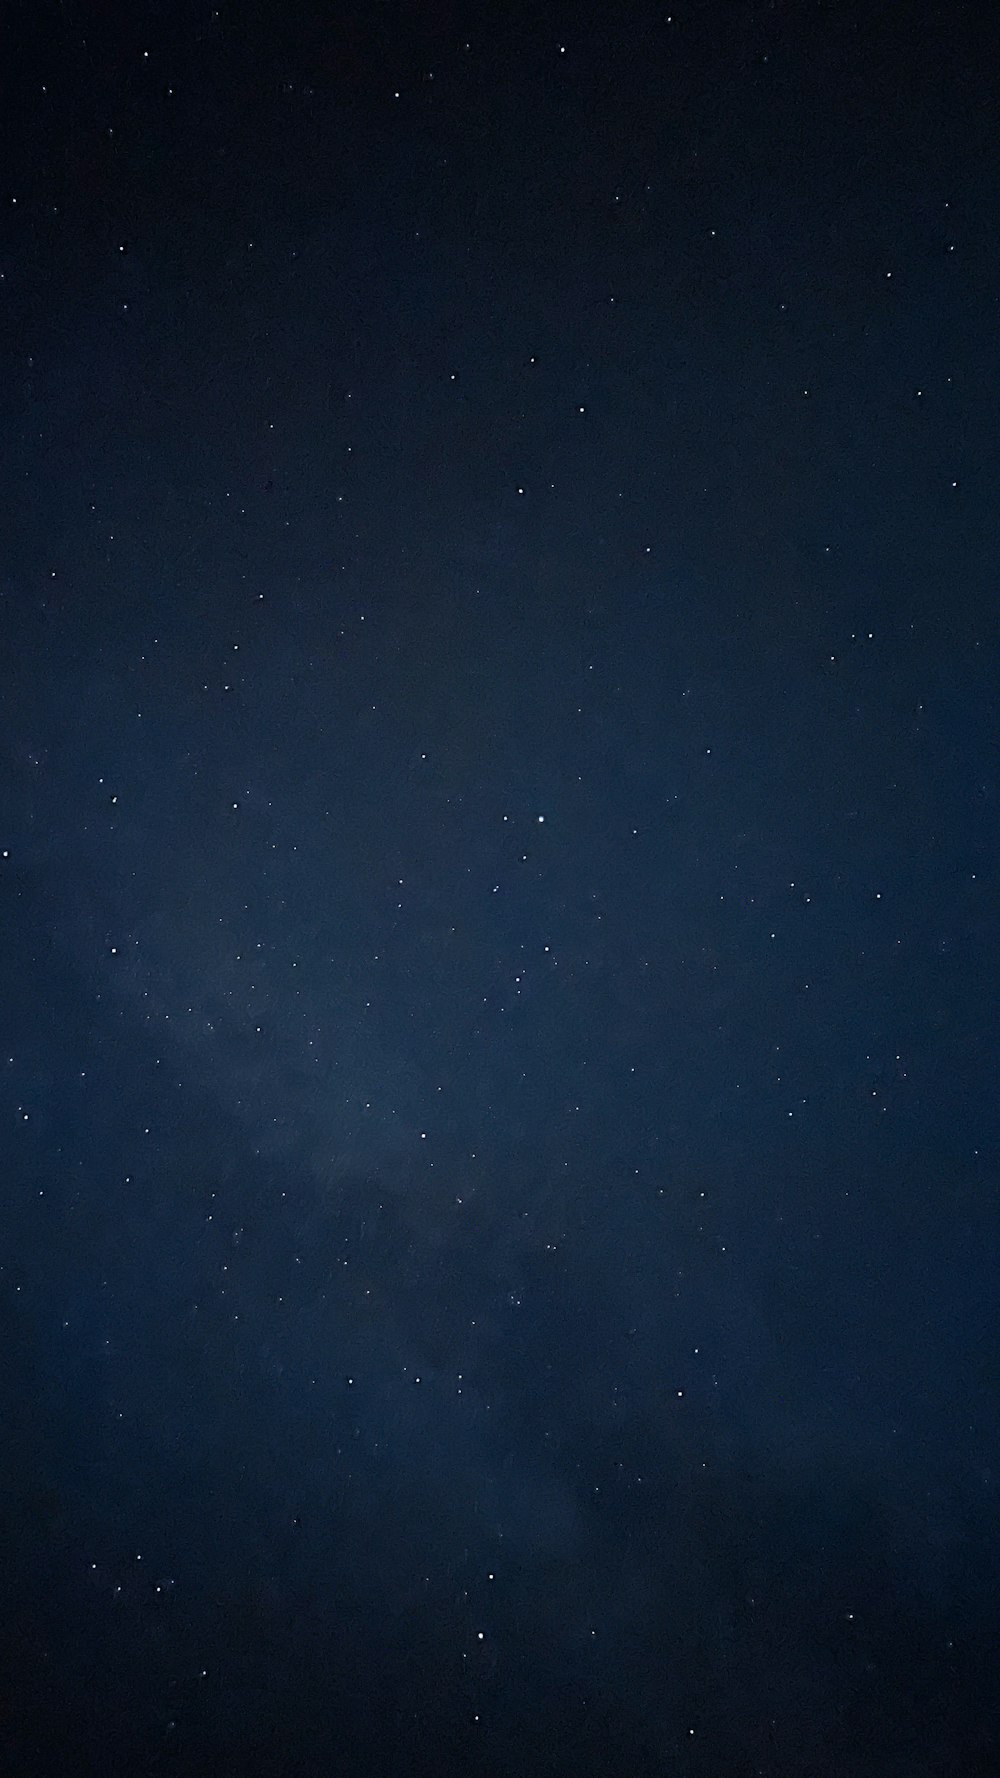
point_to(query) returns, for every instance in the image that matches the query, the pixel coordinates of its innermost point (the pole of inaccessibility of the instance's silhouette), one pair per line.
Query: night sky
(500, 891)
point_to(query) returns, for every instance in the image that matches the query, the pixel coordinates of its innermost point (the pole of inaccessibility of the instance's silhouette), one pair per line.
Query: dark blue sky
(499, 892)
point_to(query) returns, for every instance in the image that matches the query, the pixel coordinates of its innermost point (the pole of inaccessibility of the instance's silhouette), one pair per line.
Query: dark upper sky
(499, 657)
